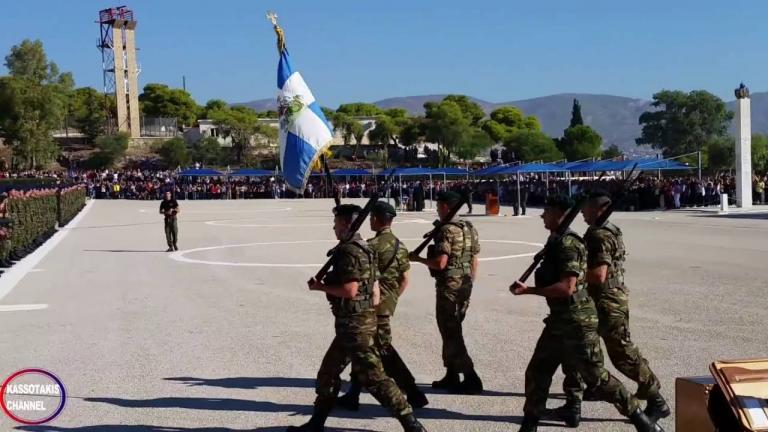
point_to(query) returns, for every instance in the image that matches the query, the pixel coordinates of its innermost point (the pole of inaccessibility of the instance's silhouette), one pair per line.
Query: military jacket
(605, 246)
(354, 263)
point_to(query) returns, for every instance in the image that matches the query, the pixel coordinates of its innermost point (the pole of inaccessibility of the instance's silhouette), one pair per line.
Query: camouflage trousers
(354, 342)
(613, 328)
(171, 232)
(394, 366)
(453, 295)
(574, 344)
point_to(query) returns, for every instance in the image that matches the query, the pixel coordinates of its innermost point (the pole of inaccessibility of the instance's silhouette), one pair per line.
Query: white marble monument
(743, 148)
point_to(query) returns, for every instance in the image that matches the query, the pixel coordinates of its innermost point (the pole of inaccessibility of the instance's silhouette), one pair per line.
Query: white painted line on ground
(180, 255)
(223, 210)
(22, 307)
(222, 222)
(13, 275)
(37, 270)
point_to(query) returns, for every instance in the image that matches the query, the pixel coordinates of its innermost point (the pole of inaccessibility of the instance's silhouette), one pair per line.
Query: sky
(366, 50)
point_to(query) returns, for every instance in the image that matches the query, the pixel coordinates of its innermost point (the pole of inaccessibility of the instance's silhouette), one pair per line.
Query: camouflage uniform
(459, 240)
(355, 321)
(606, 247)
(570, 335)
(393, 261)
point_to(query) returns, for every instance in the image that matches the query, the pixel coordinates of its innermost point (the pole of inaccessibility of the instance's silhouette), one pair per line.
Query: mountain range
(615, 118)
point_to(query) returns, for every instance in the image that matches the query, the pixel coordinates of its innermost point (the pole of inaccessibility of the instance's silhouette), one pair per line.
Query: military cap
(560, 202)
(599, 198)
(346, 210)
(383, 208)
(448, 197)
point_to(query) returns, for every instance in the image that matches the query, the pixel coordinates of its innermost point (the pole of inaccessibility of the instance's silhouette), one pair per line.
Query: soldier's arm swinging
(438, 262)
(343, 290)
(404, 279)
(565, 287)
(597, 275)
(474, 267)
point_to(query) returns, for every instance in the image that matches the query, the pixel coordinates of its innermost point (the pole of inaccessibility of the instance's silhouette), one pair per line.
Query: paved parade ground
(224, 335)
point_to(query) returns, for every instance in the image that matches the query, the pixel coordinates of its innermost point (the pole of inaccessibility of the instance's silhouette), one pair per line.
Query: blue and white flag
(304, 131)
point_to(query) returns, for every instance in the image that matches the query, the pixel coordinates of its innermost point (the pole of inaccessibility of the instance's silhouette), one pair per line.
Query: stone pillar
(743, 148)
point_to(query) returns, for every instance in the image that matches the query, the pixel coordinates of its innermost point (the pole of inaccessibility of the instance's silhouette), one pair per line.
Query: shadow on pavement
(144, 428)
(123, 251)
(246, 382)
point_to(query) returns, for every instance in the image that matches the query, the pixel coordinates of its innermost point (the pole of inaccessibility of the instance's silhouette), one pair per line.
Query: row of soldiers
(581, 279)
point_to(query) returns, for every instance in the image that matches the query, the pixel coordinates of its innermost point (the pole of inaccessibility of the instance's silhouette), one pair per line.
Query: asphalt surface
(224, 335)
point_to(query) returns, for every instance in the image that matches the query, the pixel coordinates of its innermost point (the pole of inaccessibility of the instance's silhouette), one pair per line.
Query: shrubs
(71, 201)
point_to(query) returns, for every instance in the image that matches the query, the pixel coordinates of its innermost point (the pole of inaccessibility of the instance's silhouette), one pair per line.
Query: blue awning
(202, 172)
(251, 172)
(450, 171)
(664, 164)
(350, 172)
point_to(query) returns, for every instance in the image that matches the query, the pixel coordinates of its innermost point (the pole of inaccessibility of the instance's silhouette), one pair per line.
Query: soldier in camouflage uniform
(605, 278)
(452, 261)
(570, 331)
(393, 266)
(351, 289)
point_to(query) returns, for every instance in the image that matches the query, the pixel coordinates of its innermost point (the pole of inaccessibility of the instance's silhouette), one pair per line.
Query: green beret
(448, 197)
(383, 208)
(346, 210)
(560, 202)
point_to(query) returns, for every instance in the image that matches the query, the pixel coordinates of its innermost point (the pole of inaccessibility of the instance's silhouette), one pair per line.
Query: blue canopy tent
(201, 172)
(350, 172)
(251, 172)
(664, 164)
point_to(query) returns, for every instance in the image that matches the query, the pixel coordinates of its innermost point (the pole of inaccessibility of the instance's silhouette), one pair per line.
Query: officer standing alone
(169, 207)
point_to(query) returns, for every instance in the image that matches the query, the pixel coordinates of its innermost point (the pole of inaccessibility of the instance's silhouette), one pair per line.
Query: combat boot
(350, 401)
(642, 423)
(530, 424)
(657, 408)
(471, 384)
(570, 413)
(449, 382)
(315, 424)
(416, 398)
(410, 424)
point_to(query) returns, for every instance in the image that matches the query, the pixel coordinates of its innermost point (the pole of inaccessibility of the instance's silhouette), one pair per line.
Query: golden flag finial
(272, 17)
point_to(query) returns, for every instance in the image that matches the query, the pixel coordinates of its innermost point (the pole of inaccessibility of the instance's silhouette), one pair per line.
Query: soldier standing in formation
(452, 261)
(393, 266)
(351, 289)
(169, 207)
(605, 285)
(570, 332)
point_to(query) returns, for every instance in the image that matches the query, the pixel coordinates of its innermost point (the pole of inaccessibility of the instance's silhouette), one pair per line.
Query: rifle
(356, 224)
(562, 228)
(329, 181)
(428, 237)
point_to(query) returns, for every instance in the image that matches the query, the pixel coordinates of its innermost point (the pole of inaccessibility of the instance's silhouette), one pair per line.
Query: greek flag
(304, 131)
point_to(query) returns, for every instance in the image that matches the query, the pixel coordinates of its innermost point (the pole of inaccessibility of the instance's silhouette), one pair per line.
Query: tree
(396, 113)
(412, 131)
(174, 152)
(760, 153)
(85, 109)
(385, 132)
(446, 124)
(359, 109)
(718, 155)
(207, 151)
(612, 152)
(471, 110)
(576, 119)
(684, 122)
(110, 149)
(240, 123)
(474, 142)
(159, 100)
(32, 103)
(530, 145)
(212, 106)
(580, 142)
(505, 120)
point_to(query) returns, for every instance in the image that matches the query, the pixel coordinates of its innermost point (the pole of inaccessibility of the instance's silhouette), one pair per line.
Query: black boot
(657, 408)
(530, 424)
(315, 424)
(410, 424)
(642, 423)
(471, 384)
(570, 413)
(449, 382)
(416, 398)
(350, 401)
